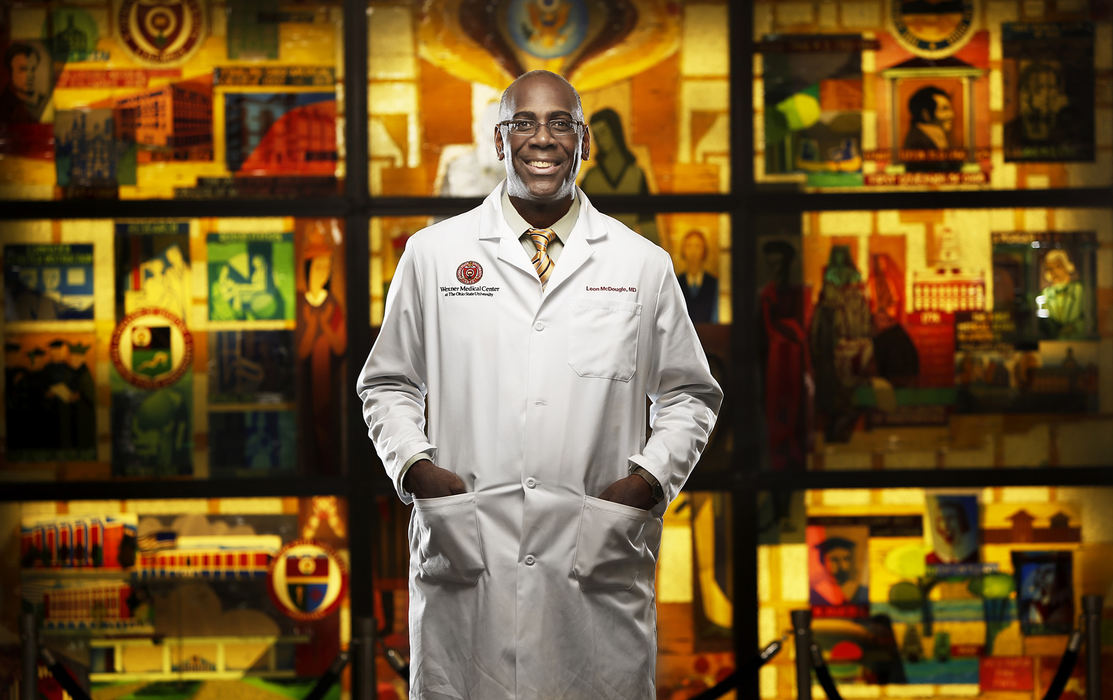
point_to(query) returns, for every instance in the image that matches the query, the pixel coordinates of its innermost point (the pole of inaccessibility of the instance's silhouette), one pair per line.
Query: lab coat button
(531, 482)
(539, 326)
(529, 560)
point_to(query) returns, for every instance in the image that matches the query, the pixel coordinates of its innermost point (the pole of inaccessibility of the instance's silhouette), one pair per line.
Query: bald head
(506, 105)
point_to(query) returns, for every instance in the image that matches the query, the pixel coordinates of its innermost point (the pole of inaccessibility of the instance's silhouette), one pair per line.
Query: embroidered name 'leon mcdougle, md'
(611, 289)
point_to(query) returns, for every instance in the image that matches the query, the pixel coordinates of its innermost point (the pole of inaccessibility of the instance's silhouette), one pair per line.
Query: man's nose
(542, 136)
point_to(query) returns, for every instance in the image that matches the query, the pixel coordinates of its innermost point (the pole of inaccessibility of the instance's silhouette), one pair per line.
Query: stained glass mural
(956, 593)
(935, 338)
(653, 77)
(173, 348)
(912, 95)
(184, 99)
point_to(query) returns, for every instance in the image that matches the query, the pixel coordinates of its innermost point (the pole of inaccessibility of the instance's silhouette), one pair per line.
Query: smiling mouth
(541, 165)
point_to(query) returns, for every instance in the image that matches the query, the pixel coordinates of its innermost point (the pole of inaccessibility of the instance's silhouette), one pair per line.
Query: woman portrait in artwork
(700, 287)
(323, 339)
(1061, 303)
(617, 170)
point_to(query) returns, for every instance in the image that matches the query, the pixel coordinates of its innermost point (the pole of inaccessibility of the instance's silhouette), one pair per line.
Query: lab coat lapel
(493, 227)
(511, 251)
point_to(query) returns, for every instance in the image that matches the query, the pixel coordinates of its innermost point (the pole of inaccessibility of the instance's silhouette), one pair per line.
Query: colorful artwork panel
(653, 79)
(253, 30)
(919, 321)
(88, 155)
(321, 340)
(280, 133)
(153, 268)
(278, 342)
(152, 432)
(28, 81)
(993, 625)
(1049, 101)
(122, 110)
(1060, 377)
(251, 276)
(933, 111)
(197, 577)
(1046, 282)
(860, 650)
(50, 396)
(48, 282)
(838, 570)
(952, 522)
(813, 107)
(1045, 591)
(251, 367)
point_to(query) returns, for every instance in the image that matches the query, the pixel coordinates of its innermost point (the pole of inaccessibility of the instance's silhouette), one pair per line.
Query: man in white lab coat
(530, 331)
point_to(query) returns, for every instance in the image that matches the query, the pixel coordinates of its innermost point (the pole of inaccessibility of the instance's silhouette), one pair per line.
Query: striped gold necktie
(541, 238)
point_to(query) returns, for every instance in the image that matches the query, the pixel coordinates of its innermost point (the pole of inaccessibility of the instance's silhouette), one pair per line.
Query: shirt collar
(563, 227)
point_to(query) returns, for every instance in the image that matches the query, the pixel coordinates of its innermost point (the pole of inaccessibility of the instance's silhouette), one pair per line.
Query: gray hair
(504, 103)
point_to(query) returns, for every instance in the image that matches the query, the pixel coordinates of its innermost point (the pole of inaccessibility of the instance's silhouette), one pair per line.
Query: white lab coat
(528, 586)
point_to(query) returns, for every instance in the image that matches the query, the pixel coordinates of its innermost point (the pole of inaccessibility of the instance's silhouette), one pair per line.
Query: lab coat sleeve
(684, 397)
(392, 383)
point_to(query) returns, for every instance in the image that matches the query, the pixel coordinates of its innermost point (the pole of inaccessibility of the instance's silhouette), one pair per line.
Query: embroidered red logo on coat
(469, 272)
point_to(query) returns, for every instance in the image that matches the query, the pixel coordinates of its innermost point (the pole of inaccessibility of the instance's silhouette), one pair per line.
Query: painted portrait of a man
(25, 96)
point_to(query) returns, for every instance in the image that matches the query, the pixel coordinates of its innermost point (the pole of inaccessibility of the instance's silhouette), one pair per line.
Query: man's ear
(585, 145)
(498, 143)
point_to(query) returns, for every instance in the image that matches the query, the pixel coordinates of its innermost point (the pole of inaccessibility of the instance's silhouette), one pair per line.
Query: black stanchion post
(330, 677)
(29, 687)
(62, 676)
(802, 634)
(364, 658)
(1091, 609)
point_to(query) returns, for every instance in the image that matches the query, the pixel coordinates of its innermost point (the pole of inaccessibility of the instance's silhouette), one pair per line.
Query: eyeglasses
(529, 127)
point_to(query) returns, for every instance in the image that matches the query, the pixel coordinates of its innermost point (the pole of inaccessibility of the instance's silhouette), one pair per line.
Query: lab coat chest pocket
(603, 339)
(445, 534)
(610, 548)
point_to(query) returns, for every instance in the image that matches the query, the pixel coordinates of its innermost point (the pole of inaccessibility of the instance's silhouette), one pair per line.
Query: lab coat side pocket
(604, 339)
(610, 546)
(445, 538)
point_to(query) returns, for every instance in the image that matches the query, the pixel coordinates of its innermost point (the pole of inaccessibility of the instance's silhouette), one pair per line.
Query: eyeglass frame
(577, 126)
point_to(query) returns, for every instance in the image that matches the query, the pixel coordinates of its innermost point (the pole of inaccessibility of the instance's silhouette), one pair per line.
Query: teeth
(540, 163)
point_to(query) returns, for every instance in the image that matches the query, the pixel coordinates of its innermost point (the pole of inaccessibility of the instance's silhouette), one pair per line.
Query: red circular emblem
(161, 31)
(469, 272)
(151, 348)
(307, 580)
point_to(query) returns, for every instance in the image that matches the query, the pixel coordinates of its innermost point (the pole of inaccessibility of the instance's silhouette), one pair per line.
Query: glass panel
(955, 95)
(695, 591)
(154, 348)
(694, 583)
(917, 593)
(195, 99)
(942, 338)
(184, 598)
(653, 77)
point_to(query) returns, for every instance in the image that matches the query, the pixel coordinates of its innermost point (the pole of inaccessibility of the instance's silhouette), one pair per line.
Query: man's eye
(522, 125)
(560, 124)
